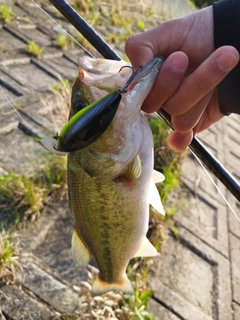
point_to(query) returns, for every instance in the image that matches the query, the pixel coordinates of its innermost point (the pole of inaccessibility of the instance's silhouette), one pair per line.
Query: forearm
(227, 32)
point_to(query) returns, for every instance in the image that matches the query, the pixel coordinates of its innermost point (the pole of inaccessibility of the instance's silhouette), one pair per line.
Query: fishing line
(209, 176)
(198, 159)
(15, 109)
(215, 185)
(65, 31)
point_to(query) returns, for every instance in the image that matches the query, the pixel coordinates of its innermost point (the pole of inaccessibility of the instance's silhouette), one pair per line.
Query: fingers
(138, 43)
(204, 79)
(167, 81)
(161, 40)
(189, 119)
(180, 141)
(211, 115)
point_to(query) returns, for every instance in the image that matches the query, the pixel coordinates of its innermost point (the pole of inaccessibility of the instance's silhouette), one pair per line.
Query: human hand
(186, 83)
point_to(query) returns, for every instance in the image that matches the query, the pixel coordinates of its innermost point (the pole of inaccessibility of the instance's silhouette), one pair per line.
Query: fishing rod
(108, 53)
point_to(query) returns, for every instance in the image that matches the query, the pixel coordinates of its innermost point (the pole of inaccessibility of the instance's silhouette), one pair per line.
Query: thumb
(139, 49)
(143, 47)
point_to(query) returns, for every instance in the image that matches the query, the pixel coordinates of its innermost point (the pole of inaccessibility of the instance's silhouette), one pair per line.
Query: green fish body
(112, 181)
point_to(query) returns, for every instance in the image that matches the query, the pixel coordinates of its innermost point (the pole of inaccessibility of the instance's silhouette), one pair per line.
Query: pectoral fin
(157, 176)
(146, 249)
(134, 169)
(154, 198)
(81, 255)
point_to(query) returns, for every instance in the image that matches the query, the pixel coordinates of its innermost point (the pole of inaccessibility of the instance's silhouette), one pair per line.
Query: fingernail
(226, 61)
(179, 63)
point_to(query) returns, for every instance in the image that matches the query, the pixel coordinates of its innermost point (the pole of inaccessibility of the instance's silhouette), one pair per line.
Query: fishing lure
(89, 123)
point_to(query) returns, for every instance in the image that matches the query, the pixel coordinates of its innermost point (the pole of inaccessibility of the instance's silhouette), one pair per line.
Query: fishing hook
(134, 73)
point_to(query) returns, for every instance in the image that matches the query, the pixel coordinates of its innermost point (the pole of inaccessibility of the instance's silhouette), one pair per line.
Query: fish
(111, 180)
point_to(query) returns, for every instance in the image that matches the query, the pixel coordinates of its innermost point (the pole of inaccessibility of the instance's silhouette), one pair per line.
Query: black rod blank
(209, 160)
(85, 29)
(108, 53)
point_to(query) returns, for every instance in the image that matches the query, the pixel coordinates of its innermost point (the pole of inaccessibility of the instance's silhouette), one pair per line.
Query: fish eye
(80, 104)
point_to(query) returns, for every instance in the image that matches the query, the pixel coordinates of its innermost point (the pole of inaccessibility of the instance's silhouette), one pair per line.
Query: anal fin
(81, 255)
(146, 249)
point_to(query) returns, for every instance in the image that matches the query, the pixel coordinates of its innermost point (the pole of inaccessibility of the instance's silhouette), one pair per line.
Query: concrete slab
(234, 224)
(206, 218)
(31, 75)
(9, 43)
(18, 305)
(158, 312)
(235, 263)
(67, 68)
(47, 288)
(55, 248)
(33, 33)
(191, 276)
(236, 308)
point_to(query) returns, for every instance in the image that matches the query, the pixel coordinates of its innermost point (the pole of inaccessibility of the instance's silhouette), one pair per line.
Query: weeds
(166, 160)
(89, 9)
(114, 14)
(169, 163)
(64, 41)
(7, 256)
(19, 197)
(141, 25)
(136, 305)
(22, 197)
(6, 14)
(35, 49)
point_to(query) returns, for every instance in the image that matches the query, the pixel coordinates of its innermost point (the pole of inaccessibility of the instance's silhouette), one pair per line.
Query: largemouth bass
(111, 181)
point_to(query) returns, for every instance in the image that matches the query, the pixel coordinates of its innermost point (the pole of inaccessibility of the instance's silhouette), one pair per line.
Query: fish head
(97, 77)
(101, 88)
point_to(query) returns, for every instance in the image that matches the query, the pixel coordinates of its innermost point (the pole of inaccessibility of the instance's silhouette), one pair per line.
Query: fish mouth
(142, 80)
(148, 69)
(89, 123)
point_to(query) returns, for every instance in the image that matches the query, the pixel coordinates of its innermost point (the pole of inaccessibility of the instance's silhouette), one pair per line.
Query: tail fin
(100, 286)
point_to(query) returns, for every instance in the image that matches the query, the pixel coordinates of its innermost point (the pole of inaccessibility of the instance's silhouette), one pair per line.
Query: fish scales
(111, 181)
(103, 213)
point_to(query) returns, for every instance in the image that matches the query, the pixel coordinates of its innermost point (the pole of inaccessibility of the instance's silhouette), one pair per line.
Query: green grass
(120, 15)
(165, 160)
(6, 14)
(22, 197)
(137, 305)
(63, 41)
(34, 49)
(8, 252)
